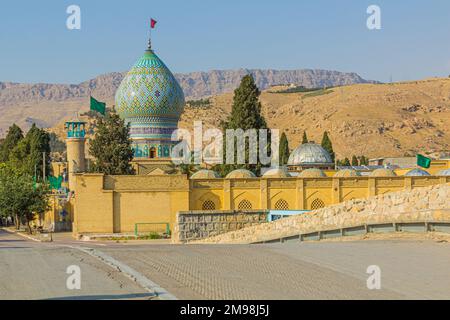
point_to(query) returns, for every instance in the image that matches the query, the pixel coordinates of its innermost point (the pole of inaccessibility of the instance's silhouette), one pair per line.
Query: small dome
(240, 174)
(417, 173)
(347, 173)
(444, 172)
(205, 174)
(309, 153)
(312, 173)
(276, 173)
(383, 172)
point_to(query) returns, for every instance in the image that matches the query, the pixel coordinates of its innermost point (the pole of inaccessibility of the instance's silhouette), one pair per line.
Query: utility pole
(43, 166)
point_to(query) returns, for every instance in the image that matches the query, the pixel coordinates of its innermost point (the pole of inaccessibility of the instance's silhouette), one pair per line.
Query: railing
(76, 134)
(146, 228)
(441, 226)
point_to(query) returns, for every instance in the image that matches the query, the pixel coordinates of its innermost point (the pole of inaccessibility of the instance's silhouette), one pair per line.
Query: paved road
(409, 270)
(31, 270)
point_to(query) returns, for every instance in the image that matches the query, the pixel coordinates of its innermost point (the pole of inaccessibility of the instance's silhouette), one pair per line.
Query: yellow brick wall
(107, 204)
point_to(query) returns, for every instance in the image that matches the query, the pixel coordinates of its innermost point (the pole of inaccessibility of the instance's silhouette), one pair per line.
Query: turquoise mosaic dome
(150, 99)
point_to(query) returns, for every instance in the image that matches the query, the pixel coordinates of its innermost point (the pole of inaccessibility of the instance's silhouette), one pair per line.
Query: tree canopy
(284, 149)
(20, 197)
(327, 145)
(111, 146)
(28, 154)
(13, 137)
(245, 115)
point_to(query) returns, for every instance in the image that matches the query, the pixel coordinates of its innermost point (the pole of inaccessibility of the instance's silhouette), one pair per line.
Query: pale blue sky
(200, 35)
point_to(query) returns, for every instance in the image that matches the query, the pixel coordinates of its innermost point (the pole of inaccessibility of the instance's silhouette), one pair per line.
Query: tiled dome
(444, 172)
(417, 173)
(383, 172)
(276, 173)
(240, 174)
(150, 99)
(149, 89)
(347, 173)
(312, 173)
(205, 174)
(309, 153)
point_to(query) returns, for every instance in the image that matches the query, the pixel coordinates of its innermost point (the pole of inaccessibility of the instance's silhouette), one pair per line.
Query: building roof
(417, 173)
(444, 172)
(240, 173)
(384, 172)
(312, 173)
(205, 174)
(309, 154)
(276, 173)
(347, 173)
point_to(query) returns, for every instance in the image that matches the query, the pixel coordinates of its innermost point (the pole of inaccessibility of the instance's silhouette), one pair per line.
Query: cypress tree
(327, 145)
(305, 138)
(245, 115)
(14, 136)
(346, 162)
(284, 149)
(111, 146)
(354, 161)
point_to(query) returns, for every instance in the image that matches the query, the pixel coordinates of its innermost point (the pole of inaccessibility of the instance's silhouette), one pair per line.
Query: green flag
(98, 106)
(423, 161)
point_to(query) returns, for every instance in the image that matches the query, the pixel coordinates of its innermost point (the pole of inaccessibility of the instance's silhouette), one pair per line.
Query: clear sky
(200, 35)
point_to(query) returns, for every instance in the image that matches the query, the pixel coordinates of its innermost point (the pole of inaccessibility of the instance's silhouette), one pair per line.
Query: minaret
(75, 140)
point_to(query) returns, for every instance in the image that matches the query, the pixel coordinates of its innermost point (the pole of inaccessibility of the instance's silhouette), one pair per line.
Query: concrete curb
(134, 275)
(21, 234)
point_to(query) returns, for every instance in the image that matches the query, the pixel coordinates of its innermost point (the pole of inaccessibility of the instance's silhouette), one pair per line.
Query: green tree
(364, 161)
(305, 138)
(189, 169)
(284, 149)
(14, 136)
(354, 161)
(20, 197)
(28, 155)
(245, 115)
(327, 145)
(111, 146)
(56, 145)
(346, 162)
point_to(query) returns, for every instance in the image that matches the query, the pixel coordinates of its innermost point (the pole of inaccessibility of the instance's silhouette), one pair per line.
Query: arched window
(281, 205)
(245, 205)
(208, 205)
(152, 153)
(317, 204)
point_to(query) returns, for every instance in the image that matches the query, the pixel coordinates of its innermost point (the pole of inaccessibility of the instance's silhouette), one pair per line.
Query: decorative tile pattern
(151, 100)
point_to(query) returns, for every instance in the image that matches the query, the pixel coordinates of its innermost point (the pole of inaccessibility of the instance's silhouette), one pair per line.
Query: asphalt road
(328, 270)
(33, 270)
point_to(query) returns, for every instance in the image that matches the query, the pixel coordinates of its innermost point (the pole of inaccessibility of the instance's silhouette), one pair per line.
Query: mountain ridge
(196, 85)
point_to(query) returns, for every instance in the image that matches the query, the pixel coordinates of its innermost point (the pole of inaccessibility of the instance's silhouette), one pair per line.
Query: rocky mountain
(195, 85)
(375, 120)
(47, 104)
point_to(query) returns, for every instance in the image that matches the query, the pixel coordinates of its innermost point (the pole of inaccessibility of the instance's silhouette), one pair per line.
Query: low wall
(196, 225)
(430, 204)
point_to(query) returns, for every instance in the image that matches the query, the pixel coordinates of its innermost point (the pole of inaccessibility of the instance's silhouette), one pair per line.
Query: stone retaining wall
(195, 225)
(423, 204)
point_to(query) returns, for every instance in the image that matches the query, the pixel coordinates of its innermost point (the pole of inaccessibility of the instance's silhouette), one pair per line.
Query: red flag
(152, 23)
